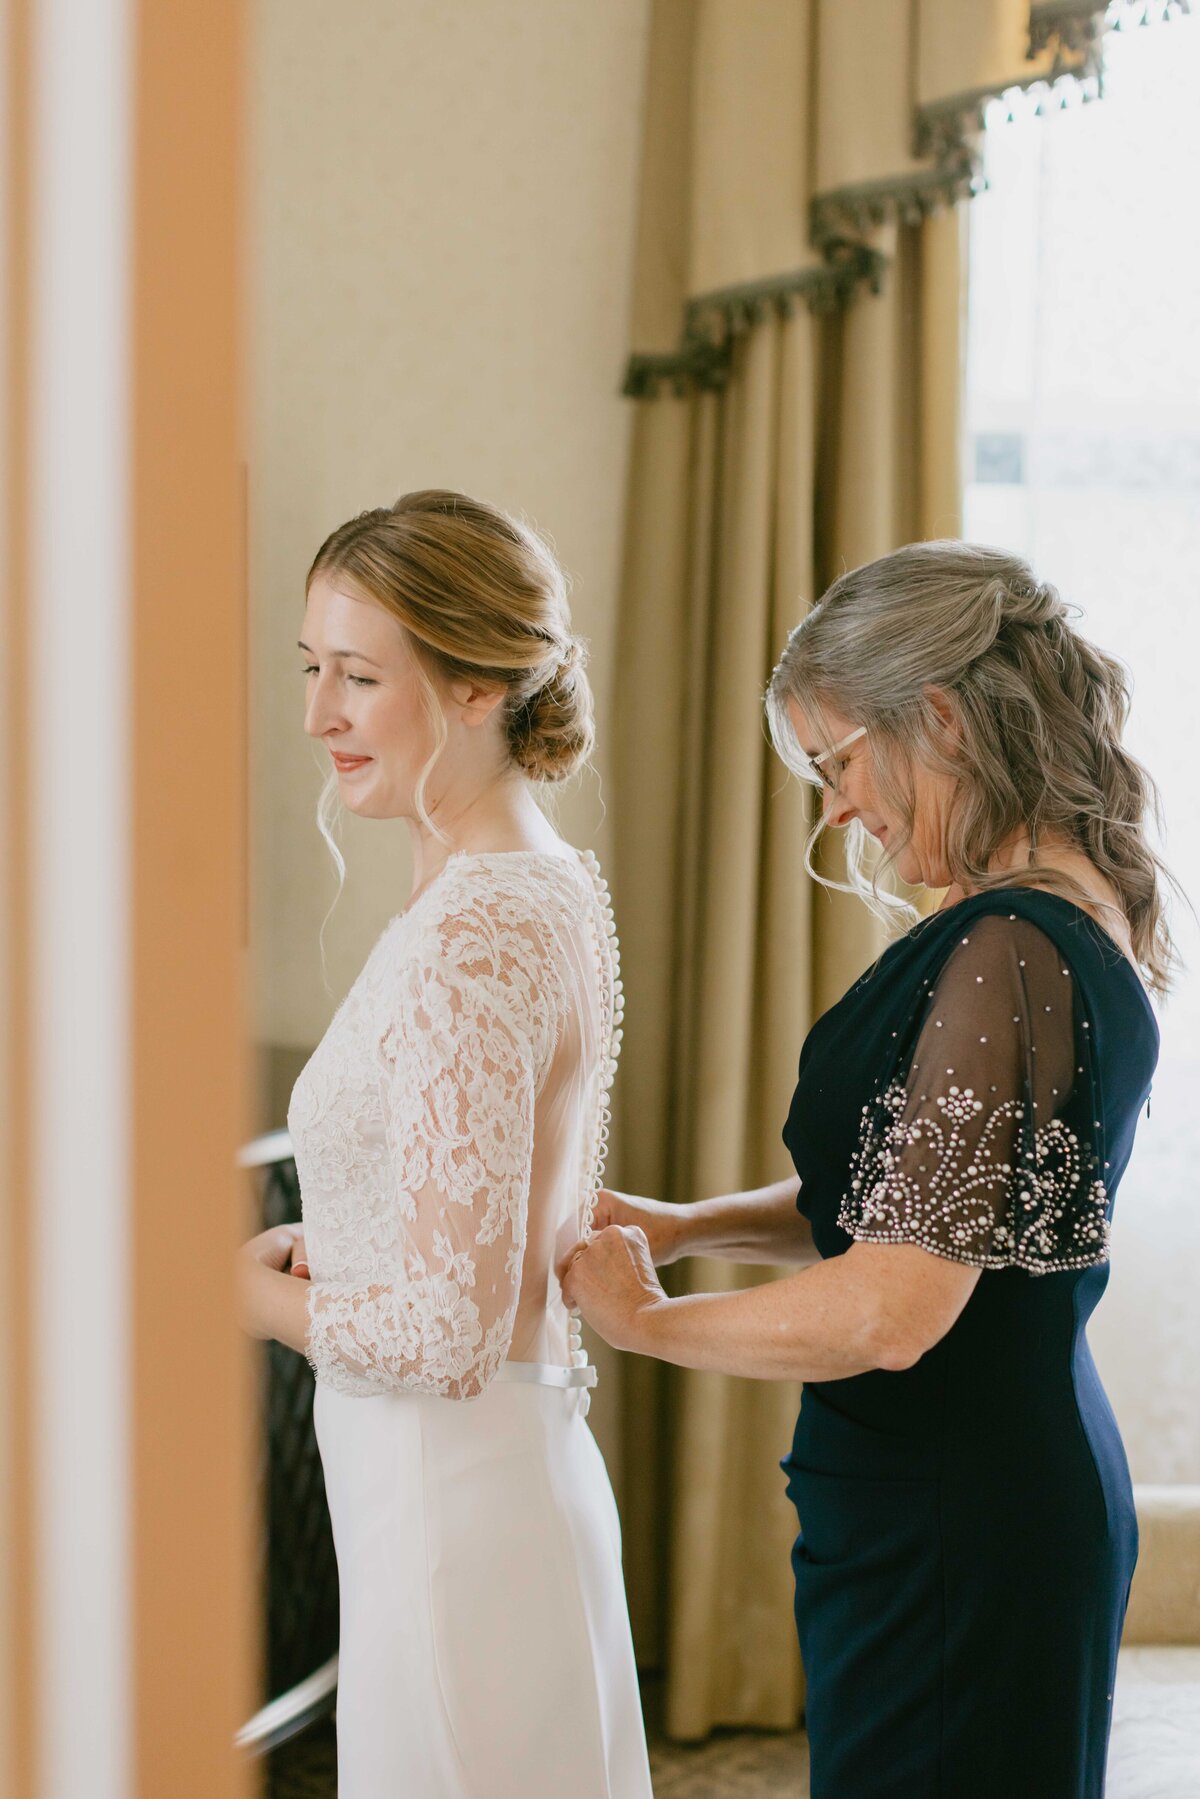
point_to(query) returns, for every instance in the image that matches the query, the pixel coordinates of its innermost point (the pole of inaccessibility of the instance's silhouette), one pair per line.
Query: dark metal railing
(297, 1566)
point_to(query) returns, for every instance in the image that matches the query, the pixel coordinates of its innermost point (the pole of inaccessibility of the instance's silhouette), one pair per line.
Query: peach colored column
(192, 1644)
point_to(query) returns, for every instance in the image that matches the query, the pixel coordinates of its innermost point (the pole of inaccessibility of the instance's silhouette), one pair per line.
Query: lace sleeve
(463, 1057)
(988, 1148)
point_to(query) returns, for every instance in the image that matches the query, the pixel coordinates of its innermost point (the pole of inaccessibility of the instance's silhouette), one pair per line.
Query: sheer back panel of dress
(450, 1128)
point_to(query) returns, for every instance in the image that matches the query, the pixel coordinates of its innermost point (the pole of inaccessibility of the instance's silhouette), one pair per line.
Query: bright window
(1084, 455)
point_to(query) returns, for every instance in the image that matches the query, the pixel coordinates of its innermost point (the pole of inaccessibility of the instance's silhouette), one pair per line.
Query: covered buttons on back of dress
(608, 967)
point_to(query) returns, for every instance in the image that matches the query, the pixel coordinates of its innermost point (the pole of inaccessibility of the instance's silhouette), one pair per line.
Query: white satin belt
(547, 1374)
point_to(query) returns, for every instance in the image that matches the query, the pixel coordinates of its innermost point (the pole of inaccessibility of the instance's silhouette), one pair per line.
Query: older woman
(960, 1124)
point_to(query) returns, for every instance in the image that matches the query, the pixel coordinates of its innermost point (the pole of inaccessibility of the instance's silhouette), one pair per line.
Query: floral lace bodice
(450, 1128)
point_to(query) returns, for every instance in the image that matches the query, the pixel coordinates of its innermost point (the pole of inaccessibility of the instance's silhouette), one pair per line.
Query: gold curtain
(804, 171)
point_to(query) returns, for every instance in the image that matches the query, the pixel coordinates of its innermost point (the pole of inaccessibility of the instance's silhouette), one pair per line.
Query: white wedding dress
(449, 1134)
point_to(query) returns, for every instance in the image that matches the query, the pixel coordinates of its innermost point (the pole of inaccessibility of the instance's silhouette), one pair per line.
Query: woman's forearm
(821, 1323)
(762, 1225)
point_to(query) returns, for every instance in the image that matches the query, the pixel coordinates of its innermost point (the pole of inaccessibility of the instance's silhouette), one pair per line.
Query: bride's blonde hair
(480, 595)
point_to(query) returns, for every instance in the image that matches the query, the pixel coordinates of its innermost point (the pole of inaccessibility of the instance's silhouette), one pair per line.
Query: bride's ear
(475, 702)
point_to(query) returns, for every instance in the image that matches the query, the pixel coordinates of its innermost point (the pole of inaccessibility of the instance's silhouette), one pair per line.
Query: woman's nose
(321, 712)
(838, 809)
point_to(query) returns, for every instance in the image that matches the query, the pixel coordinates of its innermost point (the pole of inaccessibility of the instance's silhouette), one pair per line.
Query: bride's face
(364, 700)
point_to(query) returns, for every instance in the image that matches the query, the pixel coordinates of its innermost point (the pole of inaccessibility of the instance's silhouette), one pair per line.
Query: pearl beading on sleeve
(984, 1160)
(971, 1202)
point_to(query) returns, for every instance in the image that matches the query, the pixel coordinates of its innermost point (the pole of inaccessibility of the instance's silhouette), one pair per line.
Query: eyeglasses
(810, 768)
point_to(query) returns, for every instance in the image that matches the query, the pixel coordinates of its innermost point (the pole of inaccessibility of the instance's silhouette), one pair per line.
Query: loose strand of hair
(437, 719)
(329, 814)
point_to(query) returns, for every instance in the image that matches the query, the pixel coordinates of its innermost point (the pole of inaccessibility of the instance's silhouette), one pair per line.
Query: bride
(449, 1134)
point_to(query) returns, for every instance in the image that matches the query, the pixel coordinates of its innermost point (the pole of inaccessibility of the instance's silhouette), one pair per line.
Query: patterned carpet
(733, 1765)
(1155, 1750)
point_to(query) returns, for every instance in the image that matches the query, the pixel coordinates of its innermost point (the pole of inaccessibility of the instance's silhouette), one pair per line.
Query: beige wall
(441, 230)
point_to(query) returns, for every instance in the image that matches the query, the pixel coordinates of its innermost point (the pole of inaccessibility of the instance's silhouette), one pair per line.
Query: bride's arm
(460, 1062)
(761, 1225)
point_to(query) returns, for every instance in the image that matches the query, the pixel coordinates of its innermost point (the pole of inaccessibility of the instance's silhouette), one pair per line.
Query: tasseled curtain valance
(786, 137)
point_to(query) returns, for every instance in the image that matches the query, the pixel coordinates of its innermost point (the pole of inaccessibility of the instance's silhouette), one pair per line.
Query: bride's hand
(299, 1262)
(274, 1248)
(665, 1225)
(255, 1262)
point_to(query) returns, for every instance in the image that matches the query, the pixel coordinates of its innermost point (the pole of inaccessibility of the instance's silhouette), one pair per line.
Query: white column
(79, 774)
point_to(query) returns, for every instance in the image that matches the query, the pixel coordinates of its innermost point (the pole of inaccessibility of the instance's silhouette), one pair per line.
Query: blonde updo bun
(551, 732)
(483, 597)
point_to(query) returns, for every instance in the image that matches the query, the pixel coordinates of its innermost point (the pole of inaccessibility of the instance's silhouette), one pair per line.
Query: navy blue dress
(967, 1526)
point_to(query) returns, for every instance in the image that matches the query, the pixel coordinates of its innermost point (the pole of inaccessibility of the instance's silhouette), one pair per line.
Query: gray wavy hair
(1040, 714)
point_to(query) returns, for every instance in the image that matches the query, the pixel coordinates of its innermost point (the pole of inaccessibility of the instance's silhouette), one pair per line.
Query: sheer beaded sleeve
(472, 1026)
(987, 1147)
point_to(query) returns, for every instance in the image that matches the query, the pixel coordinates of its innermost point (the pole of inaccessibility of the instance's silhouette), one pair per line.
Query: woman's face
(848, 791)
(364, 700)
